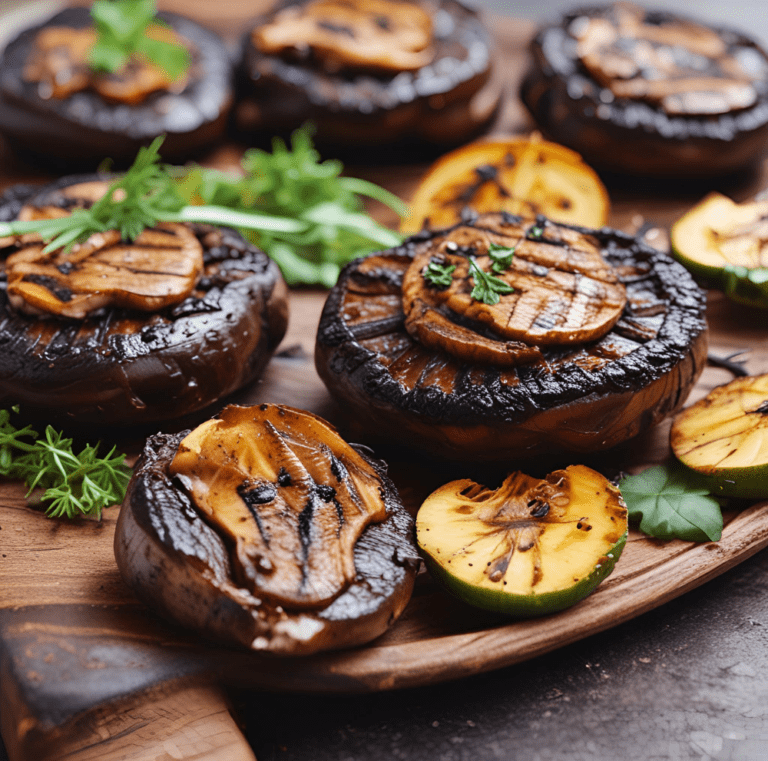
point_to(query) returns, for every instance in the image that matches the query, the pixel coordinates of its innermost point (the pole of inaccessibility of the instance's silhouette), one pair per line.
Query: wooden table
(87, 673)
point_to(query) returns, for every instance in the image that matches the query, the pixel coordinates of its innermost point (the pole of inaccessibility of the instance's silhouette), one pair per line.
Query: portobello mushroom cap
(79, 131)
(442, 102)
(649, 92)
(557, 399)
(121, 366)
(181, 564)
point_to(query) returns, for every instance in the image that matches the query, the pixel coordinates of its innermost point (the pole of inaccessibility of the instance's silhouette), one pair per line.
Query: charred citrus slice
(290, 494)
(557, 291)
(517, 175)
(727, 242)
(724, 437)
(530, 547)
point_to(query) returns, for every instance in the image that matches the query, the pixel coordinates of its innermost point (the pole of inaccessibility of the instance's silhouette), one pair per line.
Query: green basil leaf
(671, 503)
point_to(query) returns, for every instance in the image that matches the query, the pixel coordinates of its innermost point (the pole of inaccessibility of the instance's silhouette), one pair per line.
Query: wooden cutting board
(88, 673)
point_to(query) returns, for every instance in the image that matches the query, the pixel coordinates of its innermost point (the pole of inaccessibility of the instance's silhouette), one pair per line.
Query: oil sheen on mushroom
(290, 494)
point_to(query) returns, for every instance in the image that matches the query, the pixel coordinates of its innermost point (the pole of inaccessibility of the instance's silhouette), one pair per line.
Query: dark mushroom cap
(444, 102)
(632, 135)
(578, 399)
(128, 368)
(172, 558)
(84, 129)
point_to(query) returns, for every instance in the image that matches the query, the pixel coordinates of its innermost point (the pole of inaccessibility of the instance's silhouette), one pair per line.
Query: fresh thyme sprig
(294, 182)
(121, 27)
(501, 257)
(74, 485)
(487, 287)
(145, 195)
(438, 275)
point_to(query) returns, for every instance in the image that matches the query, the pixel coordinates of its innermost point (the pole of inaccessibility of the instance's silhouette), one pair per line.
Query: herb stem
(371, 190)
(221, 215)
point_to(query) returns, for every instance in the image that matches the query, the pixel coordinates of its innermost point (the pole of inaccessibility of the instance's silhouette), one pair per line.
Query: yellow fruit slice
(718, 232)
(530, 547)
(526, 176)
(726, 242)
(724, 437)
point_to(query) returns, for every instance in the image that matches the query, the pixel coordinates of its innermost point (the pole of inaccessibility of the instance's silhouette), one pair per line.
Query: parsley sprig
(74, 485)
(501, 257)
(121, 27)
(438, 275)
(487, 287)
(294, 182)
(144, 195)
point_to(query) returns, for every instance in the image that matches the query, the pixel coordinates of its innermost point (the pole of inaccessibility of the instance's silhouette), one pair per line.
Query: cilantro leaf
(438, 275)
(501, 257)
(535, 232)
(487, 287)
(670, 503)
(121, 28)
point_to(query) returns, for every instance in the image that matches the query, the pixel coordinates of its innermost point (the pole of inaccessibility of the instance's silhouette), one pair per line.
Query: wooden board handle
(181, 723)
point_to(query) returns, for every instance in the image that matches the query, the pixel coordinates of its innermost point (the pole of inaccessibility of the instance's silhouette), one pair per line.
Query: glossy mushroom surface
(369, 72)
(579, 398)
(263, 528)
(648, 92)
(125, 366)
(80, 130)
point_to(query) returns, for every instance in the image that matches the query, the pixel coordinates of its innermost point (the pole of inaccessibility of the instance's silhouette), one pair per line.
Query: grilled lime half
(530, 547)
(726, 242)
(724, 438)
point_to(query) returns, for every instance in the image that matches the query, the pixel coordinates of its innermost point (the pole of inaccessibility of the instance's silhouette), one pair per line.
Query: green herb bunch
(74, 485)
(121, 27)
(294, 182)
(145, 195)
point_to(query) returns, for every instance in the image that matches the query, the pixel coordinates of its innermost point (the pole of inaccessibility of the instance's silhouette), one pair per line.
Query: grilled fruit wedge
(432, 369)
(727, 242)
(530, 547)
(263, 528)
(724, 438)
(527, 176)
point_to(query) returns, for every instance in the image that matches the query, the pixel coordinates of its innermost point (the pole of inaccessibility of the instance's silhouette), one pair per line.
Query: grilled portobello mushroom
(263, 528)
(368, 72)
(594, 338)
(128, 334)
(650, 93)
(53, 107)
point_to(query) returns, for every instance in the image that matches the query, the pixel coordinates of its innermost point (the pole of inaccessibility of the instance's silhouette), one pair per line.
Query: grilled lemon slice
(530, 547)
(526, 176)
(724, 437)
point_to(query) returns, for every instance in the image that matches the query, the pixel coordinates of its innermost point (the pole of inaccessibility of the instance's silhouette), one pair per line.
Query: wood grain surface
(86, 672)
